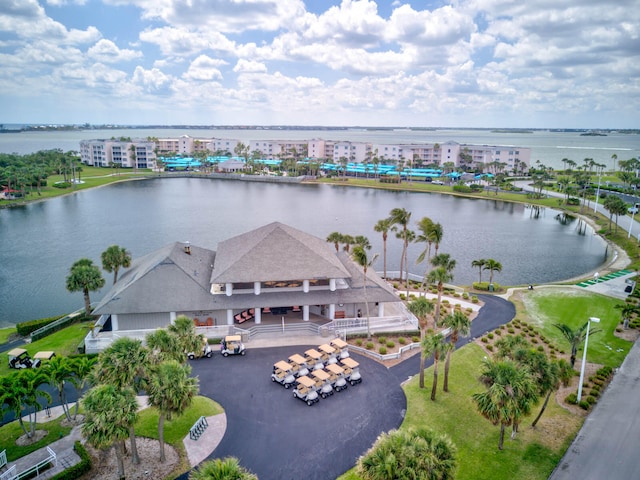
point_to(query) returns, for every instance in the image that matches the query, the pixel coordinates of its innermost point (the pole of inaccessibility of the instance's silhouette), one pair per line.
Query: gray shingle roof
(275, 252)
(166, 280)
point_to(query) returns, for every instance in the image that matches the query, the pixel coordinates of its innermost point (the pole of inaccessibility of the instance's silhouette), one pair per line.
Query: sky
(429, 63)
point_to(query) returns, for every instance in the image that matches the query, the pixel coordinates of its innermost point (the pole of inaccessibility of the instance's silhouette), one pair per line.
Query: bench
(340, 314)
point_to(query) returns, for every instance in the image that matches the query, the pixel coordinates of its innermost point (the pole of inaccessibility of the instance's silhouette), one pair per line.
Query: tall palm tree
(81, 367)
(440, 275)
(110, 413)
(436, 235)
(359, 255)
(509, 396)
(336, 239)
(479, 264)
(425, 225)
(575, 337)
(171, 390)
(124, 364)
(84, 276)
(421, 307)
(227, 468)
(434, 345)
(409, 454)
(114, 258)
(164, 346)
(58, 372)
(492, 266)
(459, 324)
(29, 382)
(401, 217)
(185, 332)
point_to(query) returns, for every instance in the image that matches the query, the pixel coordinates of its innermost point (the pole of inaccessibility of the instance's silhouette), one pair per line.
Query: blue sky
(462, 63)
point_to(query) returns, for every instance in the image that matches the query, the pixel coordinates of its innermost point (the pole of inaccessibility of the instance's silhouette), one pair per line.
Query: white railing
(393, 356)
(40, 466)
(9, 474)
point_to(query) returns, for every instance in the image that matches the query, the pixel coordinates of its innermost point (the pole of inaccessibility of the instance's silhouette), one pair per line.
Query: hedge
(25, 328)
(79, 469)
(60, 323)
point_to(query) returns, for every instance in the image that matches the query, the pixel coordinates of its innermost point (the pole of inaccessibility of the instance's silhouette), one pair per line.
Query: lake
(42, 240)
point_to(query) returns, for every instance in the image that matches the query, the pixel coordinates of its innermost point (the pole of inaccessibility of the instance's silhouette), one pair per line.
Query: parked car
(232, 345)
(19, 358)
(305, 390)
(283, 374)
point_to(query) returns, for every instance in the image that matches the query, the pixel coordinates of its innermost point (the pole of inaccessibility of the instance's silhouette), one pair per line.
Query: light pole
(633, 212)
(584, 355)
(595, 205)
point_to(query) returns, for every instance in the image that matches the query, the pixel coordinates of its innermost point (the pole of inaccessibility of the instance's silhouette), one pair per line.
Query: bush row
(25, 328)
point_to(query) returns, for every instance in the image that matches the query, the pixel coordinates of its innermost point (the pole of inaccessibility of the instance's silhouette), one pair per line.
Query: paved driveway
(279, 437)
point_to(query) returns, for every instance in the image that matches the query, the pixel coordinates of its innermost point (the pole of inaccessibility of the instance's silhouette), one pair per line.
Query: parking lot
(279, 437)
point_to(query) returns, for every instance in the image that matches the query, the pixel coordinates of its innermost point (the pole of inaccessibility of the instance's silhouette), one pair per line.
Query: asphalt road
(607, 445)
(279, 437)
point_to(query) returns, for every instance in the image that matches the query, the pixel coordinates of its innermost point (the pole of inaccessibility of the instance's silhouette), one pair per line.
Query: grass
(10, 432)
(546, 307)
(5, 333)
(177, 428)
(531, 456)
(63, 342)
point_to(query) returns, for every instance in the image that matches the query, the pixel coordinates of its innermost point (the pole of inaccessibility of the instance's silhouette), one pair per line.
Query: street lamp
(584, 355)
(633, 212)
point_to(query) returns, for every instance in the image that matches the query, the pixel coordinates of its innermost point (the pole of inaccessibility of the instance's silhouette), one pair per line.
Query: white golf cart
(342, 348)
(337, 379)
(232, 345)
(351, 370)
(283, 374)
(305, 390)
(206, 351)
(300, 368)
(323, 382)
(19, 358)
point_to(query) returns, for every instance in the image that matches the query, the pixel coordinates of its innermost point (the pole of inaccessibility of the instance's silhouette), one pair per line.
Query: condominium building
(129, 153)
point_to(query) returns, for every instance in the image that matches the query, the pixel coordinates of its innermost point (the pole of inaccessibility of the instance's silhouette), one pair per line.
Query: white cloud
(204, 68)
(247, 66)
(108, 52)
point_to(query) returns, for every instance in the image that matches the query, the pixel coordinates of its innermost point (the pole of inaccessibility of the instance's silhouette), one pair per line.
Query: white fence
(49, 462)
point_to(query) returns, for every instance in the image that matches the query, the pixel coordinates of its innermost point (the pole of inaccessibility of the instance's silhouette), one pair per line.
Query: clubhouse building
(274, 274)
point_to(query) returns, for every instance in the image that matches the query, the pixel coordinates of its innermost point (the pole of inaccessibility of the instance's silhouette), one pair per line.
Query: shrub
(534, 340)
(25, 328)
(369, 345)
(79, 469)
(402, 341)
(402, 296)
(541, 348)
(484, 340)
(572, 399)
(511, 330)
(474, 299)
(359, 342)
(382, 350)
(382, 339)
(595, 392)
(490, 347)
(490, 335)
(498, 332)
(415, 339)
(62, 184)
(465, 296)
(390, 344)
(584, 404)
(469, 310)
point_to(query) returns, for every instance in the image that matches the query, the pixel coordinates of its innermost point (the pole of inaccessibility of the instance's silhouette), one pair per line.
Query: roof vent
(187, 248)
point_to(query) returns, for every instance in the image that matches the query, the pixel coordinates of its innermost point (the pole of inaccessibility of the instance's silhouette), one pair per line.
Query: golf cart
(19, 358)
(342, 348)
(232, 345)
(283, 374)
(323, 382)
(206, 351)
(336, 374)
(313, 359)
(351, 370)
(299, 365)
(306, 391)
(328, 354)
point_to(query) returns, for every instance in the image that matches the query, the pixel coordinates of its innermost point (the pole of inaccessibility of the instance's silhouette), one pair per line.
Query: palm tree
(627, 310)
(171, 390)
(436, 235)
(459, 324)
(336, 239)
(509, 396)
(492, 266)
(187, 338)
(479, 264)
(440, 275)
(81, 366)
(164, 346)
(425, 226)
(110, 413)
(12, 393)
(409, 454)
(115, 257)
(421, 307)
(124, 364)
(401, 217)
(575, 337)
(222, 469)
(86, 277)
(436, 346)
(359, 255)
(58, 371)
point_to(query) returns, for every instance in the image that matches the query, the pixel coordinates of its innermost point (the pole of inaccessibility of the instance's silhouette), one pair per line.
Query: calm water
(548, 147)
(41, 241)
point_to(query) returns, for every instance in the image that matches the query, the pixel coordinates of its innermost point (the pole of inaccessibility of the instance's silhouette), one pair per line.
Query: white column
(258, 315)
(332, 311)
(172, 317)
(256, 288)
(332, 284)
(381, 309)
(114, 323)
(229, 317)
(305, 286)
(228, 288)
(305, 313)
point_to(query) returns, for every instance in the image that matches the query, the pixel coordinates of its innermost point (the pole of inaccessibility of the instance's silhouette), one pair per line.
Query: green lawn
(531, 456)
(177, 428)
(63, 342)
(547, 306)
(5, 333)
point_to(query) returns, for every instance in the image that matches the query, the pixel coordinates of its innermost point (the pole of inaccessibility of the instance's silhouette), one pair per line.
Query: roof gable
(275, 252)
